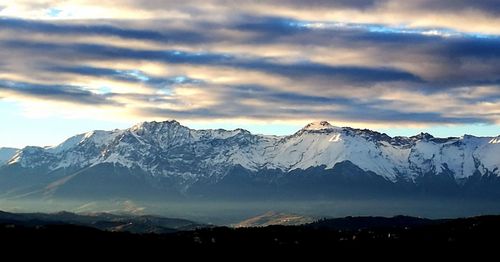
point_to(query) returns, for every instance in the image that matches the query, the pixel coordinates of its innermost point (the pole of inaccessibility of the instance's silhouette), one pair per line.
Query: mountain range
(166, 160)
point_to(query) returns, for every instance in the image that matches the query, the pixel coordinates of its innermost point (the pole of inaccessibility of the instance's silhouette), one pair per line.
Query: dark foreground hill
(330, 235)
(102, 221)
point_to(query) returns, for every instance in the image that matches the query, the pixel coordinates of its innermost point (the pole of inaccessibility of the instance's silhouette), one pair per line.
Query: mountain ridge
(173, 158)
(103, 221)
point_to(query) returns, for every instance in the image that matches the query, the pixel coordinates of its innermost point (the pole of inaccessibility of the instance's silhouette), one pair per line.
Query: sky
(271, 67)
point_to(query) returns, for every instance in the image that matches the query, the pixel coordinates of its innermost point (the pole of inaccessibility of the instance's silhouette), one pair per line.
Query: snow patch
(335, 138)
(495, 140)
(67, 144)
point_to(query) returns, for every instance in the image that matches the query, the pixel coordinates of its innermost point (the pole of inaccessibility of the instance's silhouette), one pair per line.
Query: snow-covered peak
(97, 137)
(100, 137)
(67, 144)
(423, 136)
(320, 125)
(154, 125)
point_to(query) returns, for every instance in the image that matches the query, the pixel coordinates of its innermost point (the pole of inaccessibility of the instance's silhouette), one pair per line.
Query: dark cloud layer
(486, 6)
(353, 74)
(43, 27)
(354, 113)
(444, 6)
(456, 57)
(65, 93)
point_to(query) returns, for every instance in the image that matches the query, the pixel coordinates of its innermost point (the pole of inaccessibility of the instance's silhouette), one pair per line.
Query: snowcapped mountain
(166, 158)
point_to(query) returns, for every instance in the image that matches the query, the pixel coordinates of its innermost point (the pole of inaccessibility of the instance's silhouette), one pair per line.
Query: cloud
(483, 6)
(472, 16)
(63, 93)
(45, 27)
(363, 61)
(455, 58)
(444, 6)
(134, 76)
(353, 113)
(301, 69)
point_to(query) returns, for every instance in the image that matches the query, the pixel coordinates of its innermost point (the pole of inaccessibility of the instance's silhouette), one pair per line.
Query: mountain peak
(319, 125)
(423, 136)
(155, 124)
